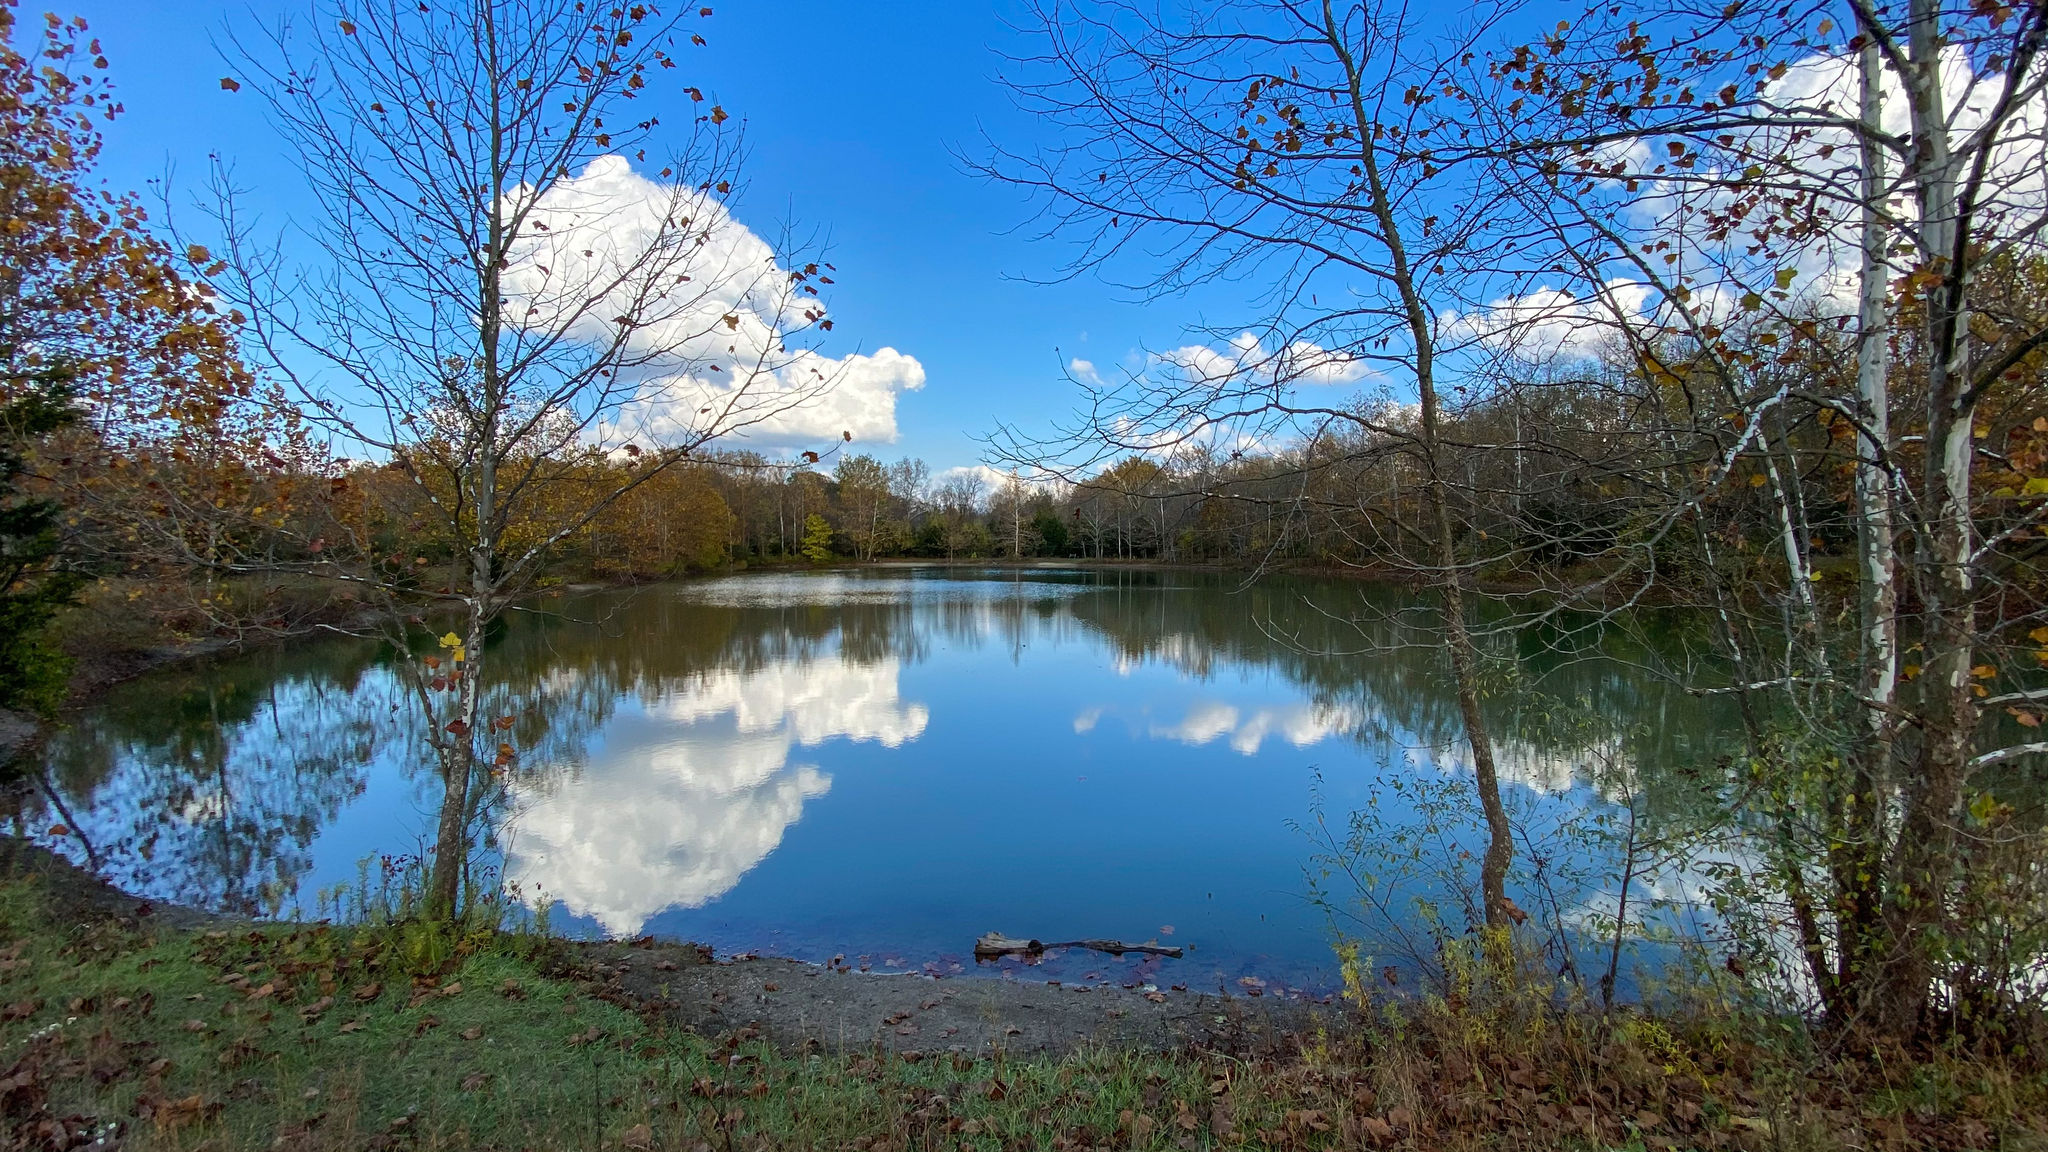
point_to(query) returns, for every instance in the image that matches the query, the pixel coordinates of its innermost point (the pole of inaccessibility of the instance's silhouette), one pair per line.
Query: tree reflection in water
(669, 739)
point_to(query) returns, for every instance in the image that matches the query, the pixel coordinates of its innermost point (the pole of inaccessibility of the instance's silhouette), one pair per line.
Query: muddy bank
(807, 1007)
(76, 896)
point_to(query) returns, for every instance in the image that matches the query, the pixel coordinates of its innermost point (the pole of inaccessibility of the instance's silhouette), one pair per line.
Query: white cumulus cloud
(1549, 322)
(716, 309)
(1812, 149)
(1246, 360)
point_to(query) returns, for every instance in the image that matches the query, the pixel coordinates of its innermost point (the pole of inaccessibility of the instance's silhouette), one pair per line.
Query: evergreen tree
(1052, 533)
(33, 583)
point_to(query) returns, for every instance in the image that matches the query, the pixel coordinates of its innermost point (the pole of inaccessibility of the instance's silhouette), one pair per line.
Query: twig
(994, 944)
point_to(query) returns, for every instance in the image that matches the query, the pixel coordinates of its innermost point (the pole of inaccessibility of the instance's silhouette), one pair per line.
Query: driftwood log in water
(994, 944)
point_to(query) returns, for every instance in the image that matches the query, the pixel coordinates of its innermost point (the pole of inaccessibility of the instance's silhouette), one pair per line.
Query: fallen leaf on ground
(172, 1113)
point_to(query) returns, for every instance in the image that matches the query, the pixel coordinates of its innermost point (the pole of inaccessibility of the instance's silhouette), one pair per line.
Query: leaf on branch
(230, 84)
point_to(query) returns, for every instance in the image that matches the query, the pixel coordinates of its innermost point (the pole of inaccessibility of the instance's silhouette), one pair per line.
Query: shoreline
(795, 1005)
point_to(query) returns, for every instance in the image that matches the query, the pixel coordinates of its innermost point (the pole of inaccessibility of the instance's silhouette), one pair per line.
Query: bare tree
(958, 500)
(1282, 143)
(500, 287)
(1790, 242)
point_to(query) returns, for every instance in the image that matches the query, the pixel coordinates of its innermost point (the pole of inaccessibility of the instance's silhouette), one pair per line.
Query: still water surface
(880, 764)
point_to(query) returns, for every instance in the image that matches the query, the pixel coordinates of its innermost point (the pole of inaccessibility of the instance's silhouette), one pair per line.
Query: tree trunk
(1859, 866)
(1449, 576)
(1931, 799)
(458, 764)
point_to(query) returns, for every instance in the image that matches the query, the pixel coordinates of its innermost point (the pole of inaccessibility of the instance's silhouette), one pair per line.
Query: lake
(882, 764)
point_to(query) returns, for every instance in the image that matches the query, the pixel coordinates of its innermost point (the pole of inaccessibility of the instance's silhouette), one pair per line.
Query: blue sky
(854, 113)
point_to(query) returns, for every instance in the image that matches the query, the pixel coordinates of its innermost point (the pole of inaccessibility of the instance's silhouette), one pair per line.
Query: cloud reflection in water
(1299, 724)
(686, 797)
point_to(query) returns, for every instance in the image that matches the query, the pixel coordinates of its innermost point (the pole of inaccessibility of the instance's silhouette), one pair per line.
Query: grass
(408, 1037)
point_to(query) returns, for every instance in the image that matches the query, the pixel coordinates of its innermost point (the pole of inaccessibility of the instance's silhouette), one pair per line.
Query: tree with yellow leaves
(121, 391)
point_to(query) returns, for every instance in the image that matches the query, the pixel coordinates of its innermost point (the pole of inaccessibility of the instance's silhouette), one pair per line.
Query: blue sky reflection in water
(878, 764)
